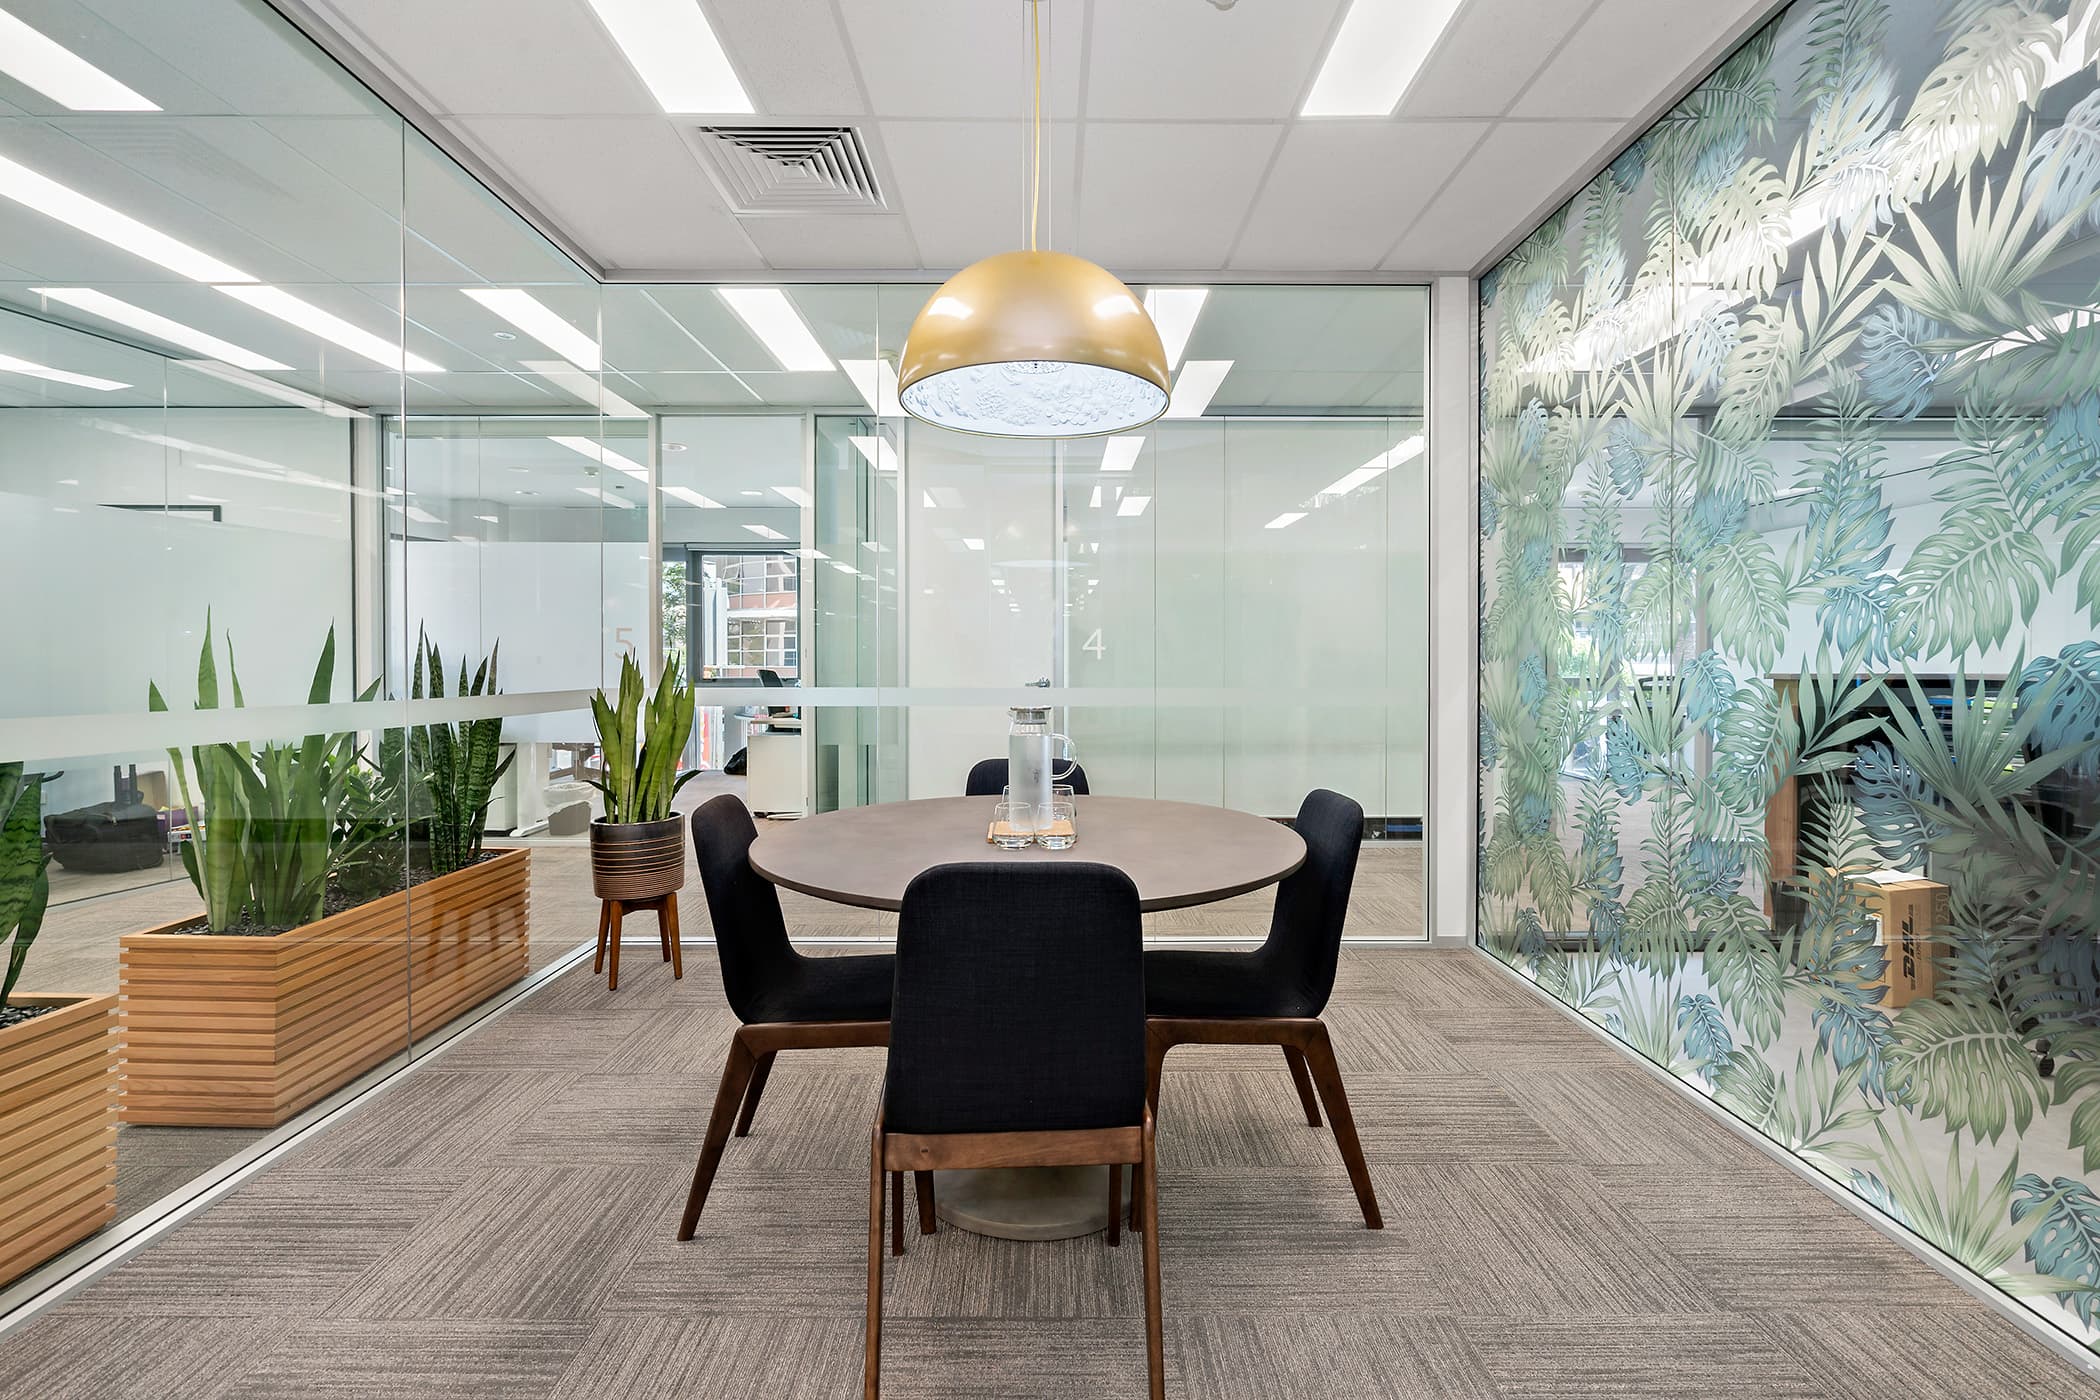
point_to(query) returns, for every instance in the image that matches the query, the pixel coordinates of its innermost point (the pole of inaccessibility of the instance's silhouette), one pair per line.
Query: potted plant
(293, 982)
(58, 1066)
(638, 846)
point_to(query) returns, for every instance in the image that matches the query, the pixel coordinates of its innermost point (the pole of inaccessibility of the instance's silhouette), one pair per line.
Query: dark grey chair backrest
(988, 779)
(1019, 1003)
(750, 935)
(1312, 903)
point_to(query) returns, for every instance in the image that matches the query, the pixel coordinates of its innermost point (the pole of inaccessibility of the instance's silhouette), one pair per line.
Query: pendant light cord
(1035, 155)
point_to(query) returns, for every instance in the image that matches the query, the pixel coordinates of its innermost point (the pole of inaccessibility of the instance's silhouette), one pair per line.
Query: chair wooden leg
(1115, 1206)
(871, 1363)
(1155, 1329)
(759, 1073)
(1156, 1048)
(924, 1182)
(604, 924)
(1319, 1053)
(1302, 1077)
(736, 1076)
(618, 912)
(677, 956)
(896, 1212)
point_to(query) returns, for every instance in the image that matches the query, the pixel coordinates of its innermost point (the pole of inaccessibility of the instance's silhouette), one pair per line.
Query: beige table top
(1178, 854)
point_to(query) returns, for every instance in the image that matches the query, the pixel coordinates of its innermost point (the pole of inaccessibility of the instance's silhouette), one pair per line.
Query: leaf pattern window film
(1790, 586)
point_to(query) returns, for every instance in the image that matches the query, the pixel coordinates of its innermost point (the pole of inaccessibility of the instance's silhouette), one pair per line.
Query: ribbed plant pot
(634, 861)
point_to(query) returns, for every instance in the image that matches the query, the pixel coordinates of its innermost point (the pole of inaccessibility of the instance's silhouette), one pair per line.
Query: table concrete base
(1026, 1203)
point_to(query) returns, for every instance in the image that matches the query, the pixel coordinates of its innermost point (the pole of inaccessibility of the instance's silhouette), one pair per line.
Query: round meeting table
(1178, 854)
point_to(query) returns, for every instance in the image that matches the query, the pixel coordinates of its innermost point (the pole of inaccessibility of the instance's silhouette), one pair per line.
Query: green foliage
(25, 880)
(453, 768)
(271, 826)
(1958, 1211)
(642, 744)
(2065, 1215)
(1961, 1062)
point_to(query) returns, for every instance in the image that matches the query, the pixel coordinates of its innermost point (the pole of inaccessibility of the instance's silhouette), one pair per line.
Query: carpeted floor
(1558, 1225)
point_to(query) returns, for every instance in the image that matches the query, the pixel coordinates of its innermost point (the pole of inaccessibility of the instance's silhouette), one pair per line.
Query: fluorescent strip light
(692, 497)
(878, 452)
(1378, 466)
(160, 327)
(606, 496)
(877, 382)
(331, 327)
(1120, 454)
(927, 502)
(1288, 518)
(598, 452)
(1133, 505)
(421, 516)
(775, 321)
(588, 387)
(1174, 311)
(98, 220)
(36, 60)
(271, 389)
(11, 365)
(765, 532)
(793, 493)
(1376, 53)
(844, 568)
(1195, 386)
(1094, 501)
(675, 53)
(532, 316)
(969, 543)
(807, 553)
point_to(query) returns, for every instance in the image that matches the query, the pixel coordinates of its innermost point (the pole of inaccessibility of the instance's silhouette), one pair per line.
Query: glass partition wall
(1788, 687)
(315, 458)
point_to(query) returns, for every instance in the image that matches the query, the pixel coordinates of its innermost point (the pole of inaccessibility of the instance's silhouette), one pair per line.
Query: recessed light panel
(10, 365)
(35, 60)
(1195, 386)
(97, 220)
(778, 325)
(1174, 310)
(675, 53)
(532, 316)
(1376, 54)
(137, 318)
(332, 328)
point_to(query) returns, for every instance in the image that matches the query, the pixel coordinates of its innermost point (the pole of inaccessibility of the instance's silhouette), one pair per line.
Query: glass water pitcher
(1032, 753)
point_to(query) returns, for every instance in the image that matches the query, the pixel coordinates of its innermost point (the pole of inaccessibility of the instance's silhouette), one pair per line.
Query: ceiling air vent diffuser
(789, 169)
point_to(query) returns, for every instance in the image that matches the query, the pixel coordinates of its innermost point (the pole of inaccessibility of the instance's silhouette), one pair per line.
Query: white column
(1454, 554)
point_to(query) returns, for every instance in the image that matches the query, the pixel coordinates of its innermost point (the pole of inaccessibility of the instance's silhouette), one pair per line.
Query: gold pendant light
(1034, 344)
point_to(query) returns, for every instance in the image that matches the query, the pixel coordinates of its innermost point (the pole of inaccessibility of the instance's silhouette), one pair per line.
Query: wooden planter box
(58, 1128)
(224, 1031)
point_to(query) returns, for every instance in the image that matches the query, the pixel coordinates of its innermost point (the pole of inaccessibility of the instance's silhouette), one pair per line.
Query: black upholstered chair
(785, 1000)
(1275, 994)
(988, 779)
(1017, 1039)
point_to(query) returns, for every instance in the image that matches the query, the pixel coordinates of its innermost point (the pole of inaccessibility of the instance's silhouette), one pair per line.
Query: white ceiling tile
(1490, 51)
(957, 221)
(511, 59)
(816, 241)
(625, 187)
(961, 58)
(1502, 188)
(1357, 183)
(1164, 196)
(1628, 53)
(791, 55)
(1188, 61)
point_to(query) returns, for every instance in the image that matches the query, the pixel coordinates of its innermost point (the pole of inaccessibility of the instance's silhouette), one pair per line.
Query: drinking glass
(1013, 825)
(1060, 825)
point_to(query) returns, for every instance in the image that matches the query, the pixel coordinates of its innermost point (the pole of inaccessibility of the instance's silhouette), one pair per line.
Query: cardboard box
(1911, 912)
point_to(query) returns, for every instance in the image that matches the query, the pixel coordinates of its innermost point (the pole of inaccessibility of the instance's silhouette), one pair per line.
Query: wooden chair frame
(1310, 1055)
(751, 1053)
(922, 1154)
(612, 915)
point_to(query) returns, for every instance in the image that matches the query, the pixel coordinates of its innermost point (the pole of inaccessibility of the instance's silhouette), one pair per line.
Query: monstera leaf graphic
(1705, 1031)
(2070, 717)
(1960, 1062)
(2065, 1215)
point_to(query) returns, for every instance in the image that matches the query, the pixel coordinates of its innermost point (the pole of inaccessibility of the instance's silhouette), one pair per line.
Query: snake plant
(642, 744)
(270, 826)
(452, 769)
(25, 884)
